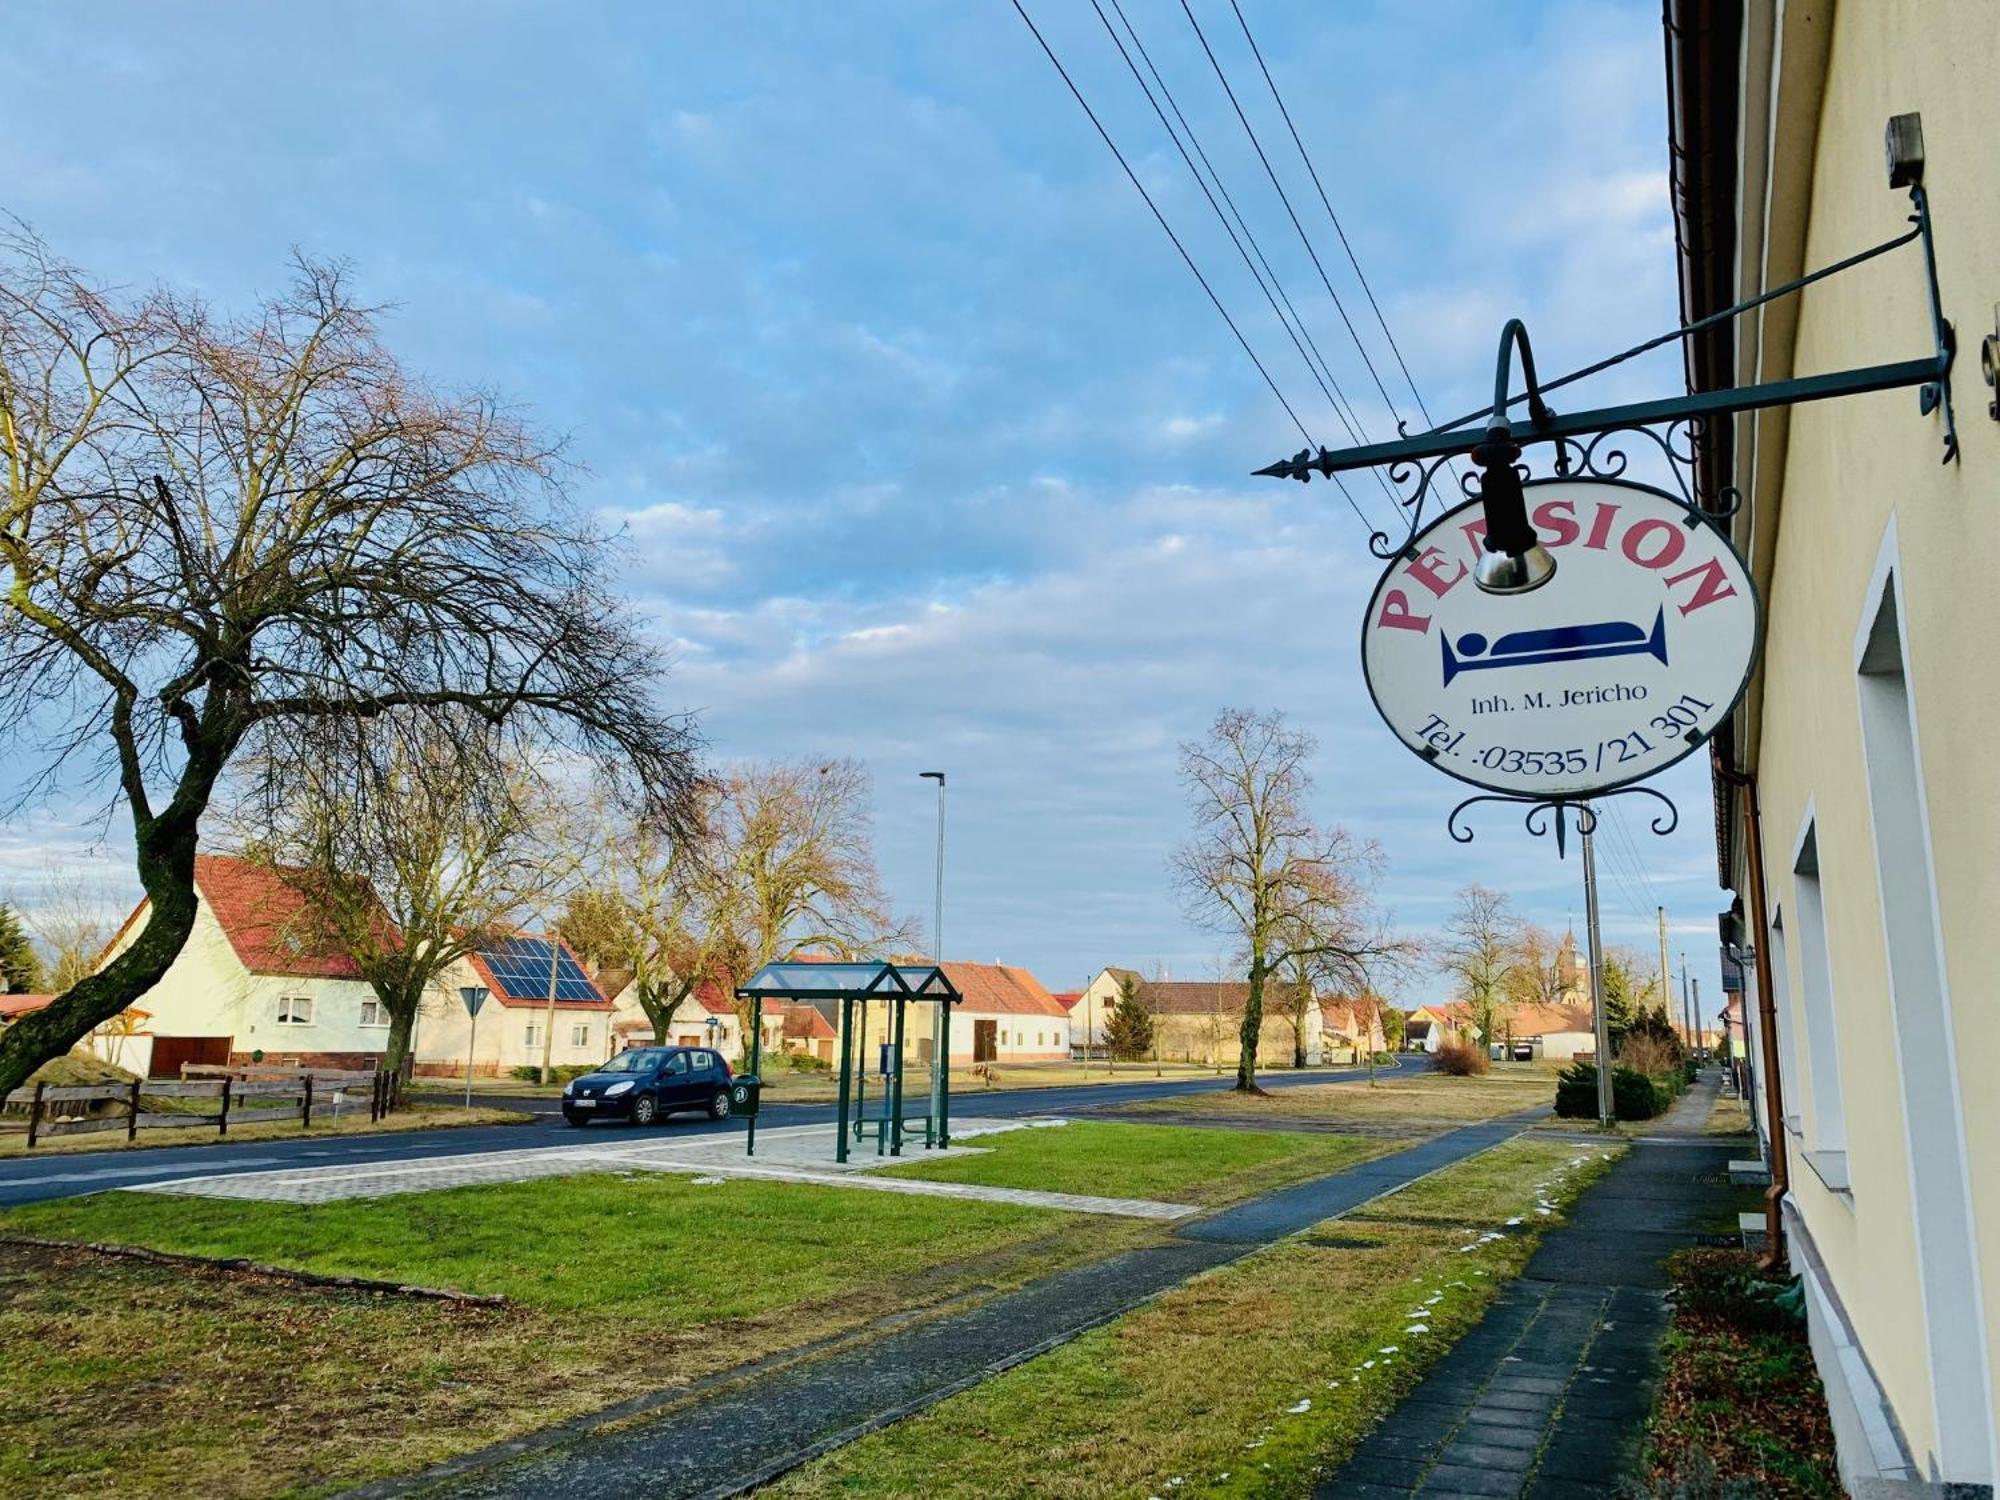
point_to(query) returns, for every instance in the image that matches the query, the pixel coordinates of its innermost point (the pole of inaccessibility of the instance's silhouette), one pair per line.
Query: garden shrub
(1646, 1052)
(561, 1073)
(1634, 1095)
(1462, 1059)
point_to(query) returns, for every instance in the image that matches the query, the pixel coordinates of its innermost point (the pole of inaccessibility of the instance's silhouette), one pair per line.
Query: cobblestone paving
(1546, 1399)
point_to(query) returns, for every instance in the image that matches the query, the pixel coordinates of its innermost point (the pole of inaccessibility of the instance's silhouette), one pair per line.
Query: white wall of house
(206, 991)
(1564, 1045)
(506, 1036)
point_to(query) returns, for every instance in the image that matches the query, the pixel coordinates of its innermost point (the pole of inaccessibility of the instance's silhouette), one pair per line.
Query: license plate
(584, 1103)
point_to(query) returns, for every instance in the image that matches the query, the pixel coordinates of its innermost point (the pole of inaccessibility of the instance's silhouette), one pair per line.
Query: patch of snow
(1418, 1328)
(707, 1181)
(1301, 1409)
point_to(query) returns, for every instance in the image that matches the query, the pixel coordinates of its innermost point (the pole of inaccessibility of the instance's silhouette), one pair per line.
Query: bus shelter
(855, 987)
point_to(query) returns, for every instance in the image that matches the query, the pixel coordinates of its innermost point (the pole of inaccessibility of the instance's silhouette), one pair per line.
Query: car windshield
(638, 1060)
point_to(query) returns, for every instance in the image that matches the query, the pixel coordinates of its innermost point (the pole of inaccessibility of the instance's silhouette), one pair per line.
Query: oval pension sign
(1621, 664)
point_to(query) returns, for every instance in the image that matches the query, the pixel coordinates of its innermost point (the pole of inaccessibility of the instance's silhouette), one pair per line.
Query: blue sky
(930, 450)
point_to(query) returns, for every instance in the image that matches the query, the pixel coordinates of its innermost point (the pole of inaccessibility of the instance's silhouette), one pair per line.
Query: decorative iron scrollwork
(1546, 814)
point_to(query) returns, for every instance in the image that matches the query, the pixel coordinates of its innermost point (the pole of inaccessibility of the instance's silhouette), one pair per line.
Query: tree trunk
(166, 848)
(402, 1010)
(1253, 1025)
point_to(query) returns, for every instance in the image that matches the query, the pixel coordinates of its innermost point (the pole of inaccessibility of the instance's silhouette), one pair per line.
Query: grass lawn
(1729, 1117)
(351, 1121)
(620, 1285)
(812, 1085)
(1173, 1163)
(1249, 1381)
(1395, 1098)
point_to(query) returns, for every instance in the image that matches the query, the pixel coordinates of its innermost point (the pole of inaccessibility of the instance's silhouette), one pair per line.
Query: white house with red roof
(1006, 1016)
(256, 979)
(631, 1027)
(517, 972)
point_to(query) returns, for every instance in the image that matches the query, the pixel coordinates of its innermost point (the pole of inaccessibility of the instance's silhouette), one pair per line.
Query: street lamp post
(940, 1020)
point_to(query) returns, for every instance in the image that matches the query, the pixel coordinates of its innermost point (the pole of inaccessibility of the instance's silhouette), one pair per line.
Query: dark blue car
(646, 1084)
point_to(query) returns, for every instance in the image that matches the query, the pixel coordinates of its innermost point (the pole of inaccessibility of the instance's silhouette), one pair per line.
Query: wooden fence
(241, 1100)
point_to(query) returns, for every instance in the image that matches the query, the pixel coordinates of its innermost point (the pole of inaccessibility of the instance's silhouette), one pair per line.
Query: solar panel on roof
(520, 966)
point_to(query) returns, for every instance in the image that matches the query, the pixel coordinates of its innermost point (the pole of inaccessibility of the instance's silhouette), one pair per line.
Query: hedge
(1634, 1095)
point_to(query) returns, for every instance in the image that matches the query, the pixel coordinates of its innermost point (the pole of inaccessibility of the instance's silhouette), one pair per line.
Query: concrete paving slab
(802, 1154)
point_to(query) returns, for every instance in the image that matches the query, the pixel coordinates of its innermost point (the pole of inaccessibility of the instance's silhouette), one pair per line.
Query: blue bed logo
(1557, 643)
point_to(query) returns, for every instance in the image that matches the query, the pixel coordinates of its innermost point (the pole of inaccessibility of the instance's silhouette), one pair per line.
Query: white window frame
(1937, 1155)
(1811, 963)
(579, 1033)
(288, 1014)
(381, 1013)
(533, 1034)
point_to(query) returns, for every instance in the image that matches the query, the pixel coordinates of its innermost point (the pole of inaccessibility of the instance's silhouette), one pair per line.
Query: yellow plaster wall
(1852, 467)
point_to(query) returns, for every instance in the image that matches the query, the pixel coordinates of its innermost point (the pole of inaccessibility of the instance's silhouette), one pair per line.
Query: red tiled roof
(805, 1024)
(1003, 990)
(1068, 999)
(19, 1005)
(1542, 1020)
(268, 922)
(1199, 997)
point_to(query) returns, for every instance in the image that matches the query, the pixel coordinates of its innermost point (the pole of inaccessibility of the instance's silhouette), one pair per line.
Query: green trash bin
(744, 1092)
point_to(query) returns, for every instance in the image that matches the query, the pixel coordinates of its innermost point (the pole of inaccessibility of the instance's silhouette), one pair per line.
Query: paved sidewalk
(1547, 1397)
(757, 1429)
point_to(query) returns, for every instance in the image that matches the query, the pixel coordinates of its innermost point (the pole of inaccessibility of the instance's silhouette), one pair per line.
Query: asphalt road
(31, 1179)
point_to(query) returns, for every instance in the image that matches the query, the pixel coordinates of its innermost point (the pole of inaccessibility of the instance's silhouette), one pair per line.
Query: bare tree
(72, 919)
(800, 860)
(412, 838)
(1539, 974)
(1479, 949)
(1260, 869)
(665, 907)
(213, 532)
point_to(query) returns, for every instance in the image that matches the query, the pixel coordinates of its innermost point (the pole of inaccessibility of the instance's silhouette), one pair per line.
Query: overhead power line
(1133, 177)
(1285, 198)
(1325, 203)
(1274, 292)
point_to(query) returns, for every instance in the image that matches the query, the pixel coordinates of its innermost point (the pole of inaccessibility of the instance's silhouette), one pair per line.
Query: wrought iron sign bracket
(1930, 374)
(1546, 814)
(1590, 444)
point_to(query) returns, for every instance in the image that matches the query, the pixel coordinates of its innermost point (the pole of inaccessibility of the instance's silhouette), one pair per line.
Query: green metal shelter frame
(853, 985)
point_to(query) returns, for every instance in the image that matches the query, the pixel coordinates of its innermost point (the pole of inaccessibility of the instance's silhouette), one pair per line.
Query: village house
(1089, 1015)
(257, 980)
(1201, 1021)
(1356, 1029)
(516, 971)
(691, 1025)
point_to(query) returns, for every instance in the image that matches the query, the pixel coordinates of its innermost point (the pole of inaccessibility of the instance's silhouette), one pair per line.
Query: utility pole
(1089, 1030)
(549, 1025)
(1601, 1023)
(1686, 1008)
(1694, 1011)
(1666, 974)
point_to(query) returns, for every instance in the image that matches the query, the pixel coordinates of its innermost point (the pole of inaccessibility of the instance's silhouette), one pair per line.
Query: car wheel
(576, 1122)
(645, 1110)
(718, 1107)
